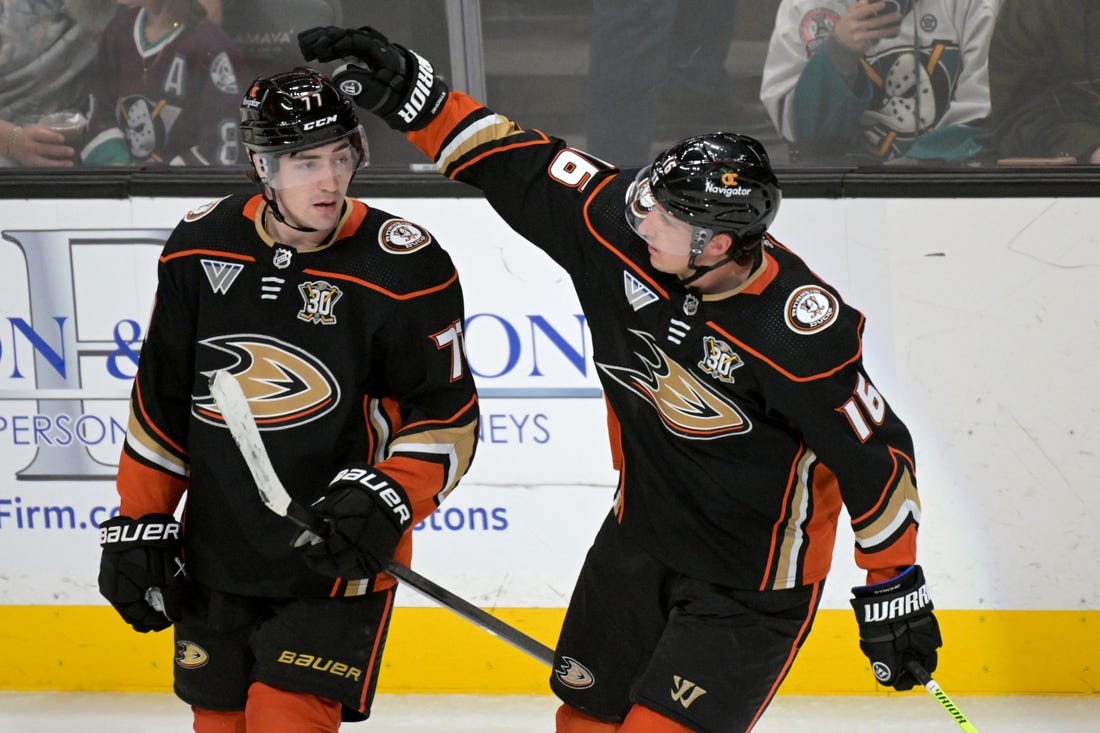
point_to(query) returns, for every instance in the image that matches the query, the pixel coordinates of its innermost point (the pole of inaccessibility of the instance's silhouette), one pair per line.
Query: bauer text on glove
(141, 570)
(367, 513)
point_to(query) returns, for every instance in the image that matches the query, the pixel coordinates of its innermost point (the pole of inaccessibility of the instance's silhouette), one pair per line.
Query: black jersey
(349, 352)
(740, 421)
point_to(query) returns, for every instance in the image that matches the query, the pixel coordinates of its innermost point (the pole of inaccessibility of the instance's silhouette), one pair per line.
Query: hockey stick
(470, 612)
(941, 697)
(233, 404)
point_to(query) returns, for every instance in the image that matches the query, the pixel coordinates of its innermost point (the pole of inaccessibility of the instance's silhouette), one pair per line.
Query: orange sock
(271, 710)
(571, 720)
(213, 721)
(643, 720)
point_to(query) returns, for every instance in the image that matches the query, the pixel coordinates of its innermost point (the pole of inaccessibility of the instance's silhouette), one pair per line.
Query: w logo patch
(637, 294)
(684, 691)
(220, 274)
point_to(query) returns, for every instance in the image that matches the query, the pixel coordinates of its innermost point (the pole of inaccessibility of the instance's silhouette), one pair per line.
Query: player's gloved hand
(367, 512)
(141, 570)
(385, 78)
(896, 625)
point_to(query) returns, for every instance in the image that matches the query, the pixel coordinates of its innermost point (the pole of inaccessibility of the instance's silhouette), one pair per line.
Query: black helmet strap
(274, 207)
(699, 241)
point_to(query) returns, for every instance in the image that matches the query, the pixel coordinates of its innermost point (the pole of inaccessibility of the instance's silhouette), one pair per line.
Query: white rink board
(980, 329)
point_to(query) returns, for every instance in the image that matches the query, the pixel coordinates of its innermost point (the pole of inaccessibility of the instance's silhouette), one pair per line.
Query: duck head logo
(285, 386)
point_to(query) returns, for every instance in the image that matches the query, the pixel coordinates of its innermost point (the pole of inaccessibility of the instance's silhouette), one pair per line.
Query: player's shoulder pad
(202, 210)
(802, 327)
(400, 237)
(409, 257)
(208, 224)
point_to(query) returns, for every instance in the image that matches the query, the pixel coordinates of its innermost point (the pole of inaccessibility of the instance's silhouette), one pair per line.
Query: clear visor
(334, 161)
(666, 232)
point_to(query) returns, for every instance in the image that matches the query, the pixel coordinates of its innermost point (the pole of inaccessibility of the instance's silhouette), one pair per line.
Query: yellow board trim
(431, 650)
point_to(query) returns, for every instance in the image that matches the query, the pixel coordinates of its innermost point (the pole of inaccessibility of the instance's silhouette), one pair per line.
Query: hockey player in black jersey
(742, 416)
(343, 324)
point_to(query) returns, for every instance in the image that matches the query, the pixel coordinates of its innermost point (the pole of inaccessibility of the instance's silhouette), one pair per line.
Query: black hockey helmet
(296, 110)
(722, 182)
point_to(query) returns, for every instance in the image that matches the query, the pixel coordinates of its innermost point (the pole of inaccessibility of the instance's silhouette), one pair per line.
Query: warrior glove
(141, 570)
(385, 78)
(896, 626)
(365, 513)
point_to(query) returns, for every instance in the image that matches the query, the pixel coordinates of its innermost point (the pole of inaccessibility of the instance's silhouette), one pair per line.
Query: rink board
(431, 650)
(980, 332)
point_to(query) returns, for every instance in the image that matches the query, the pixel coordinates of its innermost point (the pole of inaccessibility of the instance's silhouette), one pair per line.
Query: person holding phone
(865, 81)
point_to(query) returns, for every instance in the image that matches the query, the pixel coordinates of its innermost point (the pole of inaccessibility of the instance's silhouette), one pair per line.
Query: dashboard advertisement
(979, 334)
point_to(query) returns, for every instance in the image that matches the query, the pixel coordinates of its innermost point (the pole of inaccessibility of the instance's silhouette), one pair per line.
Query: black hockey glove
(896, 625)
(385, 78)
(367, 512)
(141, 571)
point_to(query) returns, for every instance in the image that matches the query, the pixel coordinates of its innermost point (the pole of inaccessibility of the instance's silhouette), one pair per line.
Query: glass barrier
(824, 84)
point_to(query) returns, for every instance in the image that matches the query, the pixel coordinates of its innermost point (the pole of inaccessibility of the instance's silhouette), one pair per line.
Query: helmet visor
(334, 161)
(669, 233)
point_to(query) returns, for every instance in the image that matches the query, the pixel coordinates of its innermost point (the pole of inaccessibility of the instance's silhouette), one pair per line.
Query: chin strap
(274, 207)
(698, 243)
(700, 270)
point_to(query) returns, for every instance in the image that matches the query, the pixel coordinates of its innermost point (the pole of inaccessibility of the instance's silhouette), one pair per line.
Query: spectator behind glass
(46, 49)
(1044, 82)
(168, 91)
(863, 82)
(649, 55)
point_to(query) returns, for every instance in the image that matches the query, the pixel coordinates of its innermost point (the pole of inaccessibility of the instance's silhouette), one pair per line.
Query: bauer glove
(366, 513)
(896, 625)
(141, 571)
(385, 78)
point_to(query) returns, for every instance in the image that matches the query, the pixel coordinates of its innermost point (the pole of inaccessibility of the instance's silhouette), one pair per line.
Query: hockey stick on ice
(233, 404)
(940, 696)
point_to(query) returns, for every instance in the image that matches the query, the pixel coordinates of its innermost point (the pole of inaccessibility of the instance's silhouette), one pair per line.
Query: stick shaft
(470, 612)
(940, 696)
(238, 417)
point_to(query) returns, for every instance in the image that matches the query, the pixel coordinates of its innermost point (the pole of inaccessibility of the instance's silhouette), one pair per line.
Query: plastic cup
(70, 123)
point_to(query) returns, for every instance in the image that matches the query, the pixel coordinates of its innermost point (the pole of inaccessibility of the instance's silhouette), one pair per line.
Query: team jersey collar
(152, 49)
(754, 284)
(355, 211)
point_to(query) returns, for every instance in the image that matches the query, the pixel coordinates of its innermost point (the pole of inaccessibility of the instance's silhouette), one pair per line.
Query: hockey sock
(641, 719)
(571, 720)
(215, 721)
(271, 710)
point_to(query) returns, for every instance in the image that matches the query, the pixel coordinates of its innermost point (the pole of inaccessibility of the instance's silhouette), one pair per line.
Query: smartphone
(895, 6)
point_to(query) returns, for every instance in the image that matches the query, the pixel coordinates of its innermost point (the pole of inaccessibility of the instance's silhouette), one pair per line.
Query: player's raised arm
(382, 77)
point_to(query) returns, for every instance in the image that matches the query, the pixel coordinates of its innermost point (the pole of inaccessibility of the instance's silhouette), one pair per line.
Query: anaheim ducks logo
(810, 308)
(200, 211)
(190, 655)
(688, 407)
(572, 673)
(286, 386)
(401, 236)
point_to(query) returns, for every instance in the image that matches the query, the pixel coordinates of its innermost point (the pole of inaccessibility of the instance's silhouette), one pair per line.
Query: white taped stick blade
(233, 404)
(155, 598)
